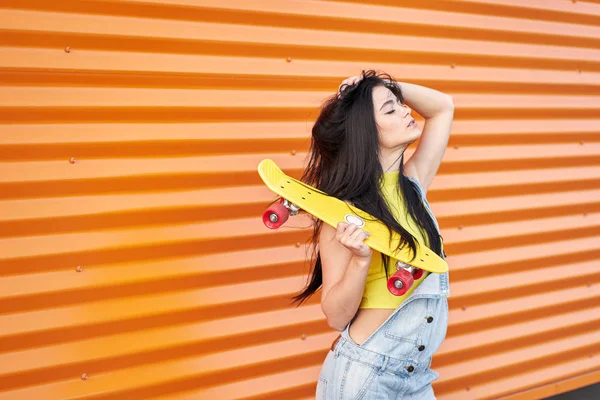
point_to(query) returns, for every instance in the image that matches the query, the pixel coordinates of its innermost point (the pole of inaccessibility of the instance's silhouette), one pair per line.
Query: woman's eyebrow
(386, 103)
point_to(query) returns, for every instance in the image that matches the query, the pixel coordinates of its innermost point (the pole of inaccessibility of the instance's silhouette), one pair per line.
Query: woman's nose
(407, 110)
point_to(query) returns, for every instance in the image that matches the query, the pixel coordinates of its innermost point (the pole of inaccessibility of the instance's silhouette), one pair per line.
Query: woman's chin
(415, 132)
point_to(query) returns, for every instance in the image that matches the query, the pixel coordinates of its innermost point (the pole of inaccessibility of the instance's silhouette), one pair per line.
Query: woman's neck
(390, 161)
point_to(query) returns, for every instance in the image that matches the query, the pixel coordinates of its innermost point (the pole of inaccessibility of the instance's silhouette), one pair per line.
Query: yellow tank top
(376, 293)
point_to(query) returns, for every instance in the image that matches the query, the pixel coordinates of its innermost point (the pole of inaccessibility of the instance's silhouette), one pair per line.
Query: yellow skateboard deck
(333, 211)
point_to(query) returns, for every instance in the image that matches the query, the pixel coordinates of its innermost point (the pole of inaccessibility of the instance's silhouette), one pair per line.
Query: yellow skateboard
(296, 195)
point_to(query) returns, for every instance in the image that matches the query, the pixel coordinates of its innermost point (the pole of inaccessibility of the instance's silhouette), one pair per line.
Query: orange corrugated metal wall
(133, 261)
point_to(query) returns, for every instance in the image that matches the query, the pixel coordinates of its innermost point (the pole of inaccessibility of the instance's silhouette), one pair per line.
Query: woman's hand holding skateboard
(353, 238)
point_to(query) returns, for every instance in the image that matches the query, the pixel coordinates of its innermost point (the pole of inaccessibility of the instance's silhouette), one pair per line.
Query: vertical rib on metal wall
(133, 261)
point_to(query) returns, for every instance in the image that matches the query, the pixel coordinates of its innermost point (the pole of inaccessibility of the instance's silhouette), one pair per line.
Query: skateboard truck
(292, 208)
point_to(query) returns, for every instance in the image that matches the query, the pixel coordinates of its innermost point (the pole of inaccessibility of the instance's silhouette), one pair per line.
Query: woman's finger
(357, 234)
(339, 232)
(359, 237)
(353, 80)
(350, 230)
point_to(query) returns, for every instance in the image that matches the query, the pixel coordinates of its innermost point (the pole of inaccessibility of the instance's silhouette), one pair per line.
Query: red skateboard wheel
(275, 216)
(400, 282)
(418, 274)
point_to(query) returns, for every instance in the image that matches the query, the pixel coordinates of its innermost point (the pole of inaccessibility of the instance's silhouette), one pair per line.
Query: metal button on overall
(429, 320)
(410, 368)
(421, 348)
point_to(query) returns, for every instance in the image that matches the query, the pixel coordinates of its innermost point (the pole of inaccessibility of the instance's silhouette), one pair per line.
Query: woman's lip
(412, 121)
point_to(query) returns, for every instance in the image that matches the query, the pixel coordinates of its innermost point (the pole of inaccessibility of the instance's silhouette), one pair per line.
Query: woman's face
(397, 128)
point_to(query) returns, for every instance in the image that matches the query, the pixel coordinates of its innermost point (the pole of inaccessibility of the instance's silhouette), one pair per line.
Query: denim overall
(394, 362)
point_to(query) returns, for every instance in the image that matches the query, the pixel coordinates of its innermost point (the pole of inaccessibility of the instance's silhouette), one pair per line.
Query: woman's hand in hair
(353, 238)
(353, 80)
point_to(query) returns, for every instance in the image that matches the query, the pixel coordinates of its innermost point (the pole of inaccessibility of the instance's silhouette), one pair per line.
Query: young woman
(357, 154)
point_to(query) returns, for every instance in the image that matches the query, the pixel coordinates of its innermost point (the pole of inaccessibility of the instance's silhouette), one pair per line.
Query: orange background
(133, 260)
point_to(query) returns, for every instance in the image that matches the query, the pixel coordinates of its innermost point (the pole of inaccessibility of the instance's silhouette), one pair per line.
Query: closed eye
(391, 112)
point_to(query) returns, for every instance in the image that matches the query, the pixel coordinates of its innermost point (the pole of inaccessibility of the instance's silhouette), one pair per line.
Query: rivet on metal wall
(84, 377)
(578, 71)
(72, 160)
(67, 49)
(463, 308)
(468, 388)
(303, 336)
(581, 142)
(585, 214)
(297, 244)
(293, 152)
(453, 66)
(79, 268)
(456, 147)
(460, 227)
(289, 59)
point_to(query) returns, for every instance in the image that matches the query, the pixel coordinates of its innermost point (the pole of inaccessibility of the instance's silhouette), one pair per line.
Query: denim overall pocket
(356, 379)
